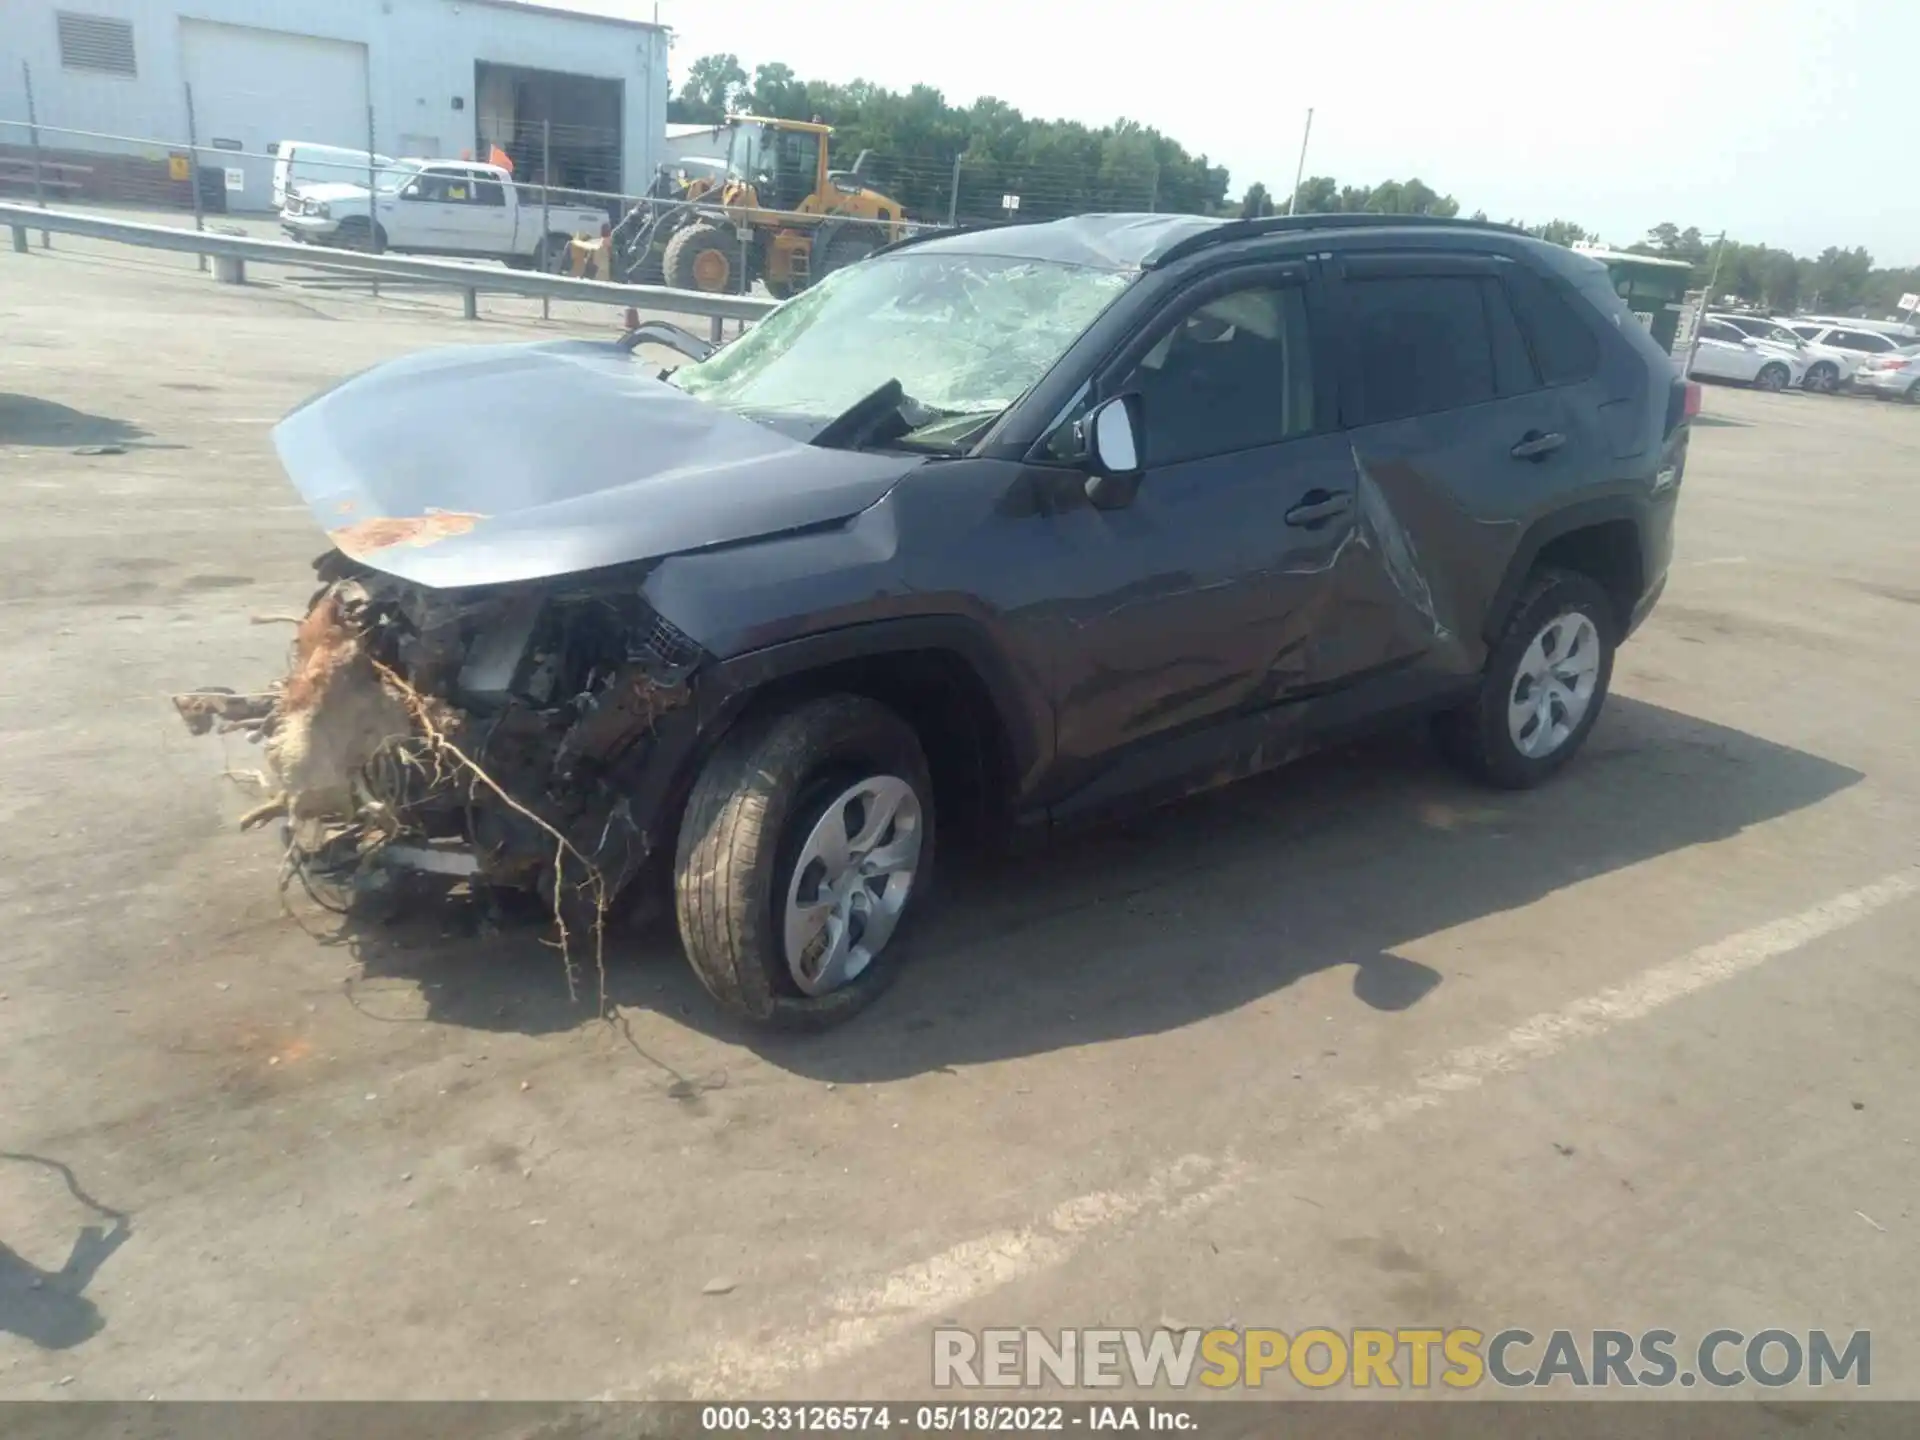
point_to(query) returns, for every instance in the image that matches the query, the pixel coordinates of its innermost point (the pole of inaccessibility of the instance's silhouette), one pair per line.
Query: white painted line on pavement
(860, 1317)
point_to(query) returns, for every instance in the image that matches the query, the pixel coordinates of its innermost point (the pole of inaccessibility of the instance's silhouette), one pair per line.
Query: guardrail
(231, 252)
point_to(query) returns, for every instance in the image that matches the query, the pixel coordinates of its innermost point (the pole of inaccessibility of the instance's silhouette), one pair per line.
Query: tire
(1773, 377)
(1912, 397)
(1823, 378)
(838, 247)
(357, 233)
(550, 256)
(703, 257)
(747, 849)
(1480, 736)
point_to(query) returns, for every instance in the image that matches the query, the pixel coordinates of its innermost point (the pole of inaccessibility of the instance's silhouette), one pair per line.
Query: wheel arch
(943, 674)
(1602, 538)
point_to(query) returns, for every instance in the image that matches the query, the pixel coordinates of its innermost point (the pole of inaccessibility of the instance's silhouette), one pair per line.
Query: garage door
(256, 87)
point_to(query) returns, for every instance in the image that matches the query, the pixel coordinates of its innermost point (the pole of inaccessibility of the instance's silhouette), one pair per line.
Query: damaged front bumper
(521, 737)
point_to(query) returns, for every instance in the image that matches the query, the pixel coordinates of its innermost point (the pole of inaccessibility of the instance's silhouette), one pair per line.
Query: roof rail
(1289, 224)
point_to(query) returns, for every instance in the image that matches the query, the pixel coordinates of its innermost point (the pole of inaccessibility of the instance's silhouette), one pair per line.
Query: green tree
(714, 83)
(777, 92)
(1257, 202)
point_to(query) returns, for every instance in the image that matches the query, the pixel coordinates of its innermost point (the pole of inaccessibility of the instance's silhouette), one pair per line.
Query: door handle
(1318, 506)
(1536, 446)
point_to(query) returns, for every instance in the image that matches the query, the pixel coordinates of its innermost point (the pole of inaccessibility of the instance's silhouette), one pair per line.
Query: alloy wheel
(1554, 685)
(851, 882)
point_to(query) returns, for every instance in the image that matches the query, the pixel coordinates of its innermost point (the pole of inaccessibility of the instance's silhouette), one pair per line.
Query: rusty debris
(383, 532)
(487, 736)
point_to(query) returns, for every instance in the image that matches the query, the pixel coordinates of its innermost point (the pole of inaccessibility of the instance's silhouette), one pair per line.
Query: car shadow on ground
(29, 420)
(1186, 912)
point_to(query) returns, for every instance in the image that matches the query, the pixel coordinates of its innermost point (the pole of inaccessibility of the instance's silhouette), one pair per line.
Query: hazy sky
(1791, 124)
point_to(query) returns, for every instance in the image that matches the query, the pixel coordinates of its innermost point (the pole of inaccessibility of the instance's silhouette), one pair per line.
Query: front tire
(1544, 686)
(805, 852)
(1823, 378)
(1773, 378)
(703, 257)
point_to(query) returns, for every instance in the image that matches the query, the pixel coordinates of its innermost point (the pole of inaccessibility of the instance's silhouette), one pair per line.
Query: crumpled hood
(330, 191)
(484, 464)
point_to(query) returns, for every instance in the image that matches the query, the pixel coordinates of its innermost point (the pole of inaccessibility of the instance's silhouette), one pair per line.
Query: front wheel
(1773, 378)
(1544, 685)
(1824, 378)
(806, 847)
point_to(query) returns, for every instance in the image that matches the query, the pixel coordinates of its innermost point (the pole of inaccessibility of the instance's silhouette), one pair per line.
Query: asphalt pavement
(1352, 1045)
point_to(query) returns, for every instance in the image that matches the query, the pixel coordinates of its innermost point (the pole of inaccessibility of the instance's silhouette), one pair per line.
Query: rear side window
(1422, 344)
(1563, 345)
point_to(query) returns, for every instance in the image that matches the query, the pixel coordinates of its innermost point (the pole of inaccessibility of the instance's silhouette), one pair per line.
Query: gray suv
(1021, 526)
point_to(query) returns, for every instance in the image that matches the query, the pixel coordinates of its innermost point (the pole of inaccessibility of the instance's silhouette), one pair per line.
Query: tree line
(1062, 167)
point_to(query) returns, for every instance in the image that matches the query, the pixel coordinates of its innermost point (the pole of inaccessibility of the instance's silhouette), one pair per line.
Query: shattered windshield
(963, 334)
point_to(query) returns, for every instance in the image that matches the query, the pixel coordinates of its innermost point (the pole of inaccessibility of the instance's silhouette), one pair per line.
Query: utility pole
(1300, 170)
(953, 194)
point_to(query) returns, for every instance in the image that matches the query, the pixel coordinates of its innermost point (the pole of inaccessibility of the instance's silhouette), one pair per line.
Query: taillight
(1683, 403)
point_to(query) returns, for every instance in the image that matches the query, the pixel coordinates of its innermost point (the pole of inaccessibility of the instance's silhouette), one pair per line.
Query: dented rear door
(1454, 446)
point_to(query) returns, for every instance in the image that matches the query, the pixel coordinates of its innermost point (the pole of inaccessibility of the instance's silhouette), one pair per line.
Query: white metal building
(440, 78)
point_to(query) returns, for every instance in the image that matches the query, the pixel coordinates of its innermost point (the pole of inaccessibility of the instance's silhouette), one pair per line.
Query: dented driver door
(1197, 601)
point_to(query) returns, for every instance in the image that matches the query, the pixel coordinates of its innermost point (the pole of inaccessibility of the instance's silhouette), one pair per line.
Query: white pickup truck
(441, 207)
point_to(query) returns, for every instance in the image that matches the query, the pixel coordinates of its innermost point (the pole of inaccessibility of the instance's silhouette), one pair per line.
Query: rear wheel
(552, 254)
(1773, 376)
(837, 247)
(1913, 393)
(806, 847)
(1544, 684)
(703, 257)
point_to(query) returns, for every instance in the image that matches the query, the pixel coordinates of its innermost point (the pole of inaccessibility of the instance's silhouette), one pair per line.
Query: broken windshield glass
(965, 335)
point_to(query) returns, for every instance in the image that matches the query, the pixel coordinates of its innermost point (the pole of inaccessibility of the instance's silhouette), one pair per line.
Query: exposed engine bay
(491, 734)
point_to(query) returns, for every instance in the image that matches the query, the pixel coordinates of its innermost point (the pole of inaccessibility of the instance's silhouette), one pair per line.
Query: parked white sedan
(1723, 353)
(1828, 368)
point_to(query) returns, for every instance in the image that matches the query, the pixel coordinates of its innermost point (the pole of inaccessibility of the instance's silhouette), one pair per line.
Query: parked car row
(1809, 353)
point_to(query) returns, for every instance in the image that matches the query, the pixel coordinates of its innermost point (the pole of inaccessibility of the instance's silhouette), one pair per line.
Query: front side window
(1421, 344)
(965, 335)
(1233, 373)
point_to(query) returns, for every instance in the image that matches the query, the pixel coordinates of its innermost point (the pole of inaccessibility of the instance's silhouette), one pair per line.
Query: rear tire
(748, 865)
(1489, 736)
(1913, 393)
(1773, 377)
(838, 247)
(703, 257)
(550, 257)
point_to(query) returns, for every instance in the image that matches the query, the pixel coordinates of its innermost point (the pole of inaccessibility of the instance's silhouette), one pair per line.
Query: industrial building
(402, 77)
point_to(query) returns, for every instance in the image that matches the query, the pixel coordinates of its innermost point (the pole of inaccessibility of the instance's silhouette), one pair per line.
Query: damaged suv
(1022, 525)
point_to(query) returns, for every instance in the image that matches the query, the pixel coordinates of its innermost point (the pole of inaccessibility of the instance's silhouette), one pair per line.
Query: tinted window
(1564, 346)
(1233, 373)
(1863, 340)
(488, 192)
(1422, 345)
(1513, 372)
(1714, 330)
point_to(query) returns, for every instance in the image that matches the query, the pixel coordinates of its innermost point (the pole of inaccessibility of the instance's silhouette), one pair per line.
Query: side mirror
(412, 192)
(1112, 436)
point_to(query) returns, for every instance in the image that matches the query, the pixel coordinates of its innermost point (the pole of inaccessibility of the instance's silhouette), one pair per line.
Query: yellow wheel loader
(779, 216)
